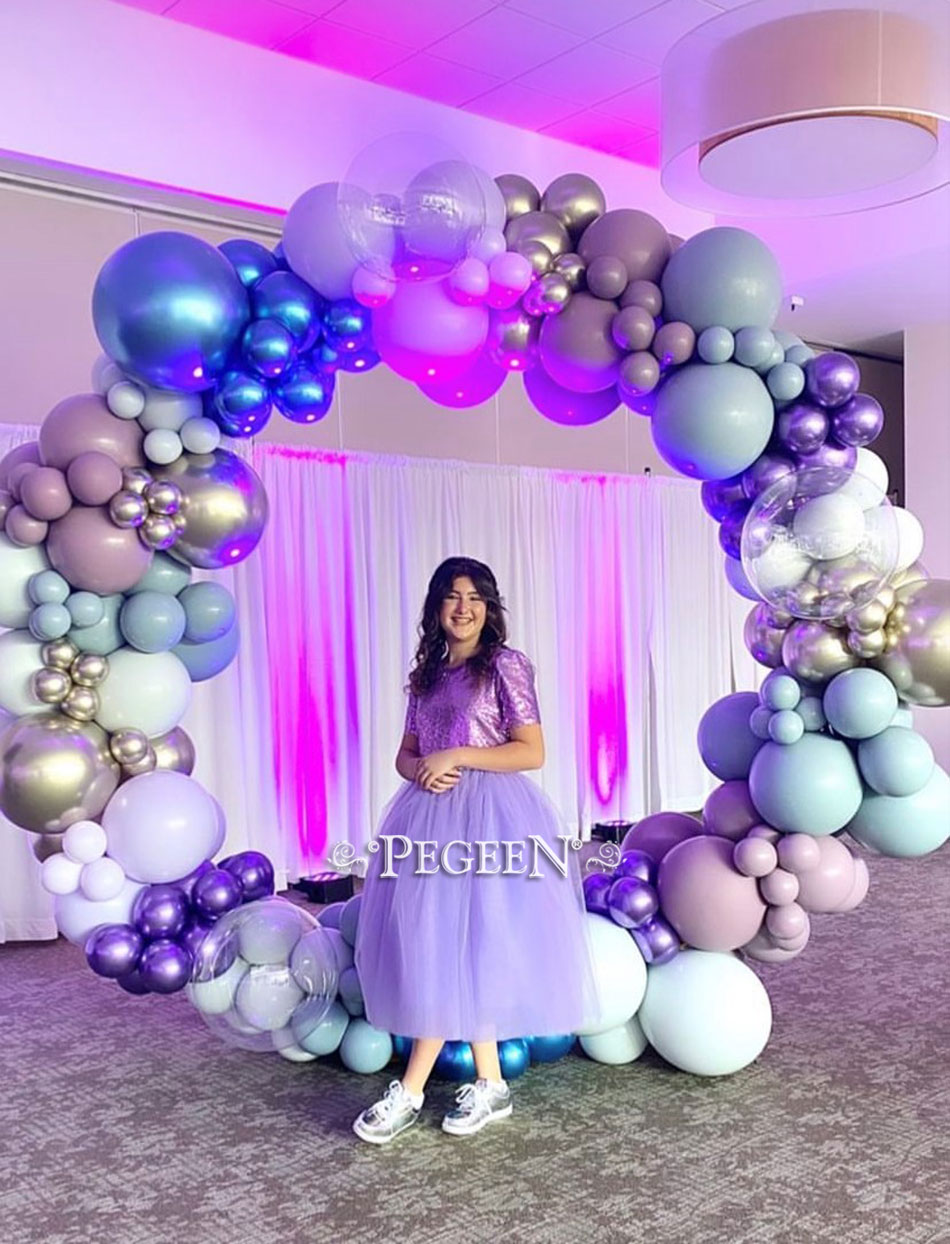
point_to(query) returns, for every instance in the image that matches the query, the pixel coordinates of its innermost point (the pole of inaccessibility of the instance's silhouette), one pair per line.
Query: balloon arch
(454, 280)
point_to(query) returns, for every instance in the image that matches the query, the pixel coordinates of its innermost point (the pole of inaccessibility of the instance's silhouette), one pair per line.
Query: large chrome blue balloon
(168, 308)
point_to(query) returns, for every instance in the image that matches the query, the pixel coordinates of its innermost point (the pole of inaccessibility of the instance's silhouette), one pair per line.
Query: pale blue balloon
(152, 621)
(738, 579)
(905, 826)
(712, 421)
(321, 1036)
(810, 710)
(209, 611)
(349, 918)
(164, 575)
(623, 1044)
(799, 355)
(786, 339)
(716, 344)
(365, 1049)
(104, 636)
(722, 276)
(780, 690)
(786, 727)
(205, 660)
(811, 787)
(48, 588)
(903, 717)
(785, 382)
(860, 703)
(351, 995)
(85, 608)
(898, 761)
(50, 621)
(754, 347)
(726, 743)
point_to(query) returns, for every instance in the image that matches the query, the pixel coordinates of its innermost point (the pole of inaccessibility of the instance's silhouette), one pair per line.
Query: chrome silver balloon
(576, 200)
(537, 227)
(572, 268)
(128, 509)
(136, 479)
(159, 531)
(815, 651)
(163, 497)
(174, 750)
(520, 195)
(917, 659)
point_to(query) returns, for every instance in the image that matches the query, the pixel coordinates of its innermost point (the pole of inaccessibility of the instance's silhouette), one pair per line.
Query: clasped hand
(438, 772)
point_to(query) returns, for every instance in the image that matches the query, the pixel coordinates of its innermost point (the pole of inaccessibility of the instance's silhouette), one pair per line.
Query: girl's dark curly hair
(433, 646)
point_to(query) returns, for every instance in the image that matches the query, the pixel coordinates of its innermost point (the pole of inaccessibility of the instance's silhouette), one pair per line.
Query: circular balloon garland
(454, 280)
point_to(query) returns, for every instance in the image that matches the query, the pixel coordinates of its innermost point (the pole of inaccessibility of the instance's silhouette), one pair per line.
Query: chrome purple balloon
(188, 883)
(859, 421)
(730, 530)
(637, 864)
(160, 911)
(719, 495)
(216, 892)
(801, 427)
(596, 886)
(113, 950)
(255, 873)
(832, 459)
(831, 379)
(631, 901)
(165, 966)
(764, 472)
(132, 983)
(657, 941)
(192, 938)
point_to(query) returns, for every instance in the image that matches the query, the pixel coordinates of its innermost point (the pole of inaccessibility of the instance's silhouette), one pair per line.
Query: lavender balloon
(160, 911)
(657, 941)
(254, 872)
(859, 421)
(631, 902)
(802, 428)
(165, 966)
(831, 379)
(216, 892)
(112, 950)
(596, 886)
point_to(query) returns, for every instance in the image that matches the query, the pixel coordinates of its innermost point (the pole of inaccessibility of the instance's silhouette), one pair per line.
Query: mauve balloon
(657, 834)
(83, 423)
(709, 903)
(577, 347)
(94, 555)
(27, 452)
(635, 238)
(565, 405)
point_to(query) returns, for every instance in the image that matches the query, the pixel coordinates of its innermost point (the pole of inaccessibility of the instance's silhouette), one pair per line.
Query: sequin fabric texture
(459, 713)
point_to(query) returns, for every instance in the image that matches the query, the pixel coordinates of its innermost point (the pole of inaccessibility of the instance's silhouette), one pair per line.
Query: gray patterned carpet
(124, 1121)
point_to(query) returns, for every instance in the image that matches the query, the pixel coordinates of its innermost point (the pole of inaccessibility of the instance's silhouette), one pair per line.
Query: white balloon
(76, 915)
(618, 1045)
(620, 975)
(17, 567)
(706, 1012)
(59, 875)
(910, 537)
(105, 373)
(869, 482)
(781, 564)
(162, 446)
(84, 842)
(161, 825)
(293, 1053)
(215, 997)
(102, 880)
(20, 658)
(126, 400)
(200, 436)
(169, 410)
(829, 526)
(149, 691)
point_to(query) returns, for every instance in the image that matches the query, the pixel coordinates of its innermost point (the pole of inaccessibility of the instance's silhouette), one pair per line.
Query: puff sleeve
(515, 682)
(411, 726)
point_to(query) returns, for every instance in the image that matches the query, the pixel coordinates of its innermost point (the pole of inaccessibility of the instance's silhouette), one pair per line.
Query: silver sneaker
(386, 1118)
(478, 1104)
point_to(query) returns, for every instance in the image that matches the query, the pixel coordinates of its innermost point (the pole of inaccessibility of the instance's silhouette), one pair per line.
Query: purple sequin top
(458, 713)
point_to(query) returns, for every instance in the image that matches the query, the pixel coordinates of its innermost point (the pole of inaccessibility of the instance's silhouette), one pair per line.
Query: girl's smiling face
(463, 612)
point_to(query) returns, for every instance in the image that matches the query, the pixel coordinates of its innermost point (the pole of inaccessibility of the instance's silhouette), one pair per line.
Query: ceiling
(585, 71)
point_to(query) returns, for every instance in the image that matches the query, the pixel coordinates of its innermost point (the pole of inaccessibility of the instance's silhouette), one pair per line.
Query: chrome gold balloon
(572, 268)
(520, 195)
(537, 227)
(51, 686)
(145, 764)
(128, 745)
(869, 617)
(158, 532)
(89, 669)
(917, 659)
(576, 200)
(224, 506)
(45, 845)
(537, 255)
(174, 750)
(762, 637)
(54, 771)
(163, 497)
(547, 296)
(81, 703)
(59, 654)
(815, 652)
(136, 479)
(867, 644)
(128, 509)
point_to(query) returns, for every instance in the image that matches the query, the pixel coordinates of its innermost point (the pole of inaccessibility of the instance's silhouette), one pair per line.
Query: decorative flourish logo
(344, 859)
(608, 856)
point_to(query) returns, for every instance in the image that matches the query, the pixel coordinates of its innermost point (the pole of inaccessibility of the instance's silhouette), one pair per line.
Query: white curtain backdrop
(614, 588)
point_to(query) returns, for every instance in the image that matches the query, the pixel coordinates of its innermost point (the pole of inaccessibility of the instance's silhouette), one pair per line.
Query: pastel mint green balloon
(716, 344)
(152, 621)
(860, 703)
(712, 421)
(722, 276)
(209, 611)
(811, 787)
(617, 1046)
(780, 690)
(48, 588)
(905, 826)
(50, 621)
(785, 382)
(205, 660)
(786, 727)
(810, 710)
(104, 636)
(898, 761)
(365, 1049)
(85, 608)
(164, 575)
(799, 355)
(321, 1036)
(754, 346)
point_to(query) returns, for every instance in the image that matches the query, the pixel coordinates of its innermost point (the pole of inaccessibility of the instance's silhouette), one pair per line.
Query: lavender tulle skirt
(474, 956)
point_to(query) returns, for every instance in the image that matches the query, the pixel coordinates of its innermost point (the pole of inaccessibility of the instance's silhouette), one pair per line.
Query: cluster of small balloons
(69, 679)
(627, 894)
